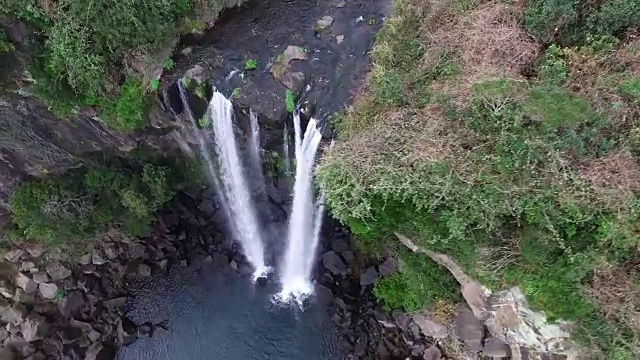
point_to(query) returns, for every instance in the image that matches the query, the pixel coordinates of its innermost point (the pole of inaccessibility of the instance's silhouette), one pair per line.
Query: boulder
(98, 258)
(57, 271)
(93, 351)
(21, 296)
(85, 259)
(35, 250)
(48, 291)
(281, 69)
(430, 328)
(26, 283)
(496, 348)
(33, 328)
(324, 295)
(14, 255)
(27, 266)
(387, 267)
(340, 39)
(144, 270)
(6, 289)
(15, 314)
(369, 276)
(323, 23)
(432, 353)
(4, 305)
(468, 328)
(332, 262)
(40, 277)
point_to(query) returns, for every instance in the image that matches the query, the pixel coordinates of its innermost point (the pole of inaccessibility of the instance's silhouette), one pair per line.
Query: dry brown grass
(407, 139)
(595, 78)
(616, 291)
(614, 178)
(489, 42)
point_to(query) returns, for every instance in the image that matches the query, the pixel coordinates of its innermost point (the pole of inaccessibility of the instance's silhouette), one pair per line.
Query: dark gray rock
(14, 255)
(369, 276)
(495, 348)
(387, 267)
(72, 304)
(48, 291)
(339, 245)
(144, 270)
(207, 207)
(34, 328)
(26, 283)
(6, 289)
(15, 314)
(334, 263)
(40, 277)
(429, 327)
(324, 295)
(57, 271)
(468, 328)
(432, 353)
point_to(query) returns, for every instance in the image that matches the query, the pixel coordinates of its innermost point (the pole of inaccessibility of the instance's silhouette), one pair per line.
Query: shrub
(70, 59)
(570, 22)
(74, 208)
(127, 112)
(553, 67)
(87, 43)
(520, 182)
(5, 45)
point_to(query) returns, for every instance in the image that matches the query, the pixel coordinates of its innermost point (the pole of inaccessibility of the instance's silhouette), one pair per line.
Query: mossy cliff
(504, 134)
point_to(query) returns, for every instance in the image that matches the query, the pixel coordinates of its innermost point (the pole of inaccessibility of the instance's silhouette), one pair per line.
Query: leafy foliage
(512, 178)
(86, 44)
(570, 22)
(127, 111)
(251, 65)
(290, 100)
(74, 208)
(5, 45)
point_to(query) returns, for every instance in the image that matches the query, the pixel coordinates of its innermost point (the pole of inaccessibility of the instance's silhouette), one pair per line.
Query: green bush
(5, 45)
(86, 44)
(553, 67)
(569, 22)
(128, 111)
(74, 208)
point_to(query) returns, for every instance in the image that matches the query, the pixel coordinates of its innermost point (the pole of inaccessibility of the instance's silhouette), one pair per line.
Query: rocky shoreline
(56, 307)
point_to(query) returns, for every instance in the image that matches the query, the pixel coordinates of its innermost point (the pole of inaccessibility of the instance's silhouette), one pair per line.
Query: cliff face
(35, 143)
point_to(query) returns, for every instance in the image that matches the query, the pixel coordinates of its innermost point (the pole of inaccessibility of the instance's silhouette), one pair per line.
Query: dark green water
(224, 317)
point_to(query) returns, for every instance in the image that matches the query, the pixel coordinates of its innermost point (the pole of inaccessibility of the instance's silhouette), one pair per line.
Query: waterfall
(306, 216)
(285, 149)
(254, 144)
(234, 185)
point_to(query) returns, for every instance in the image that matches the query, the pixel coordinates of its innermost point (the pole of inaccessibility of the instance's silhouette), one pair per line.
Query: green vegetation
(290, 100)
(524, 180)
(250, 65)
(84, 49)
(236, 92)
(73, 209)
(6, 46)
(168, 64)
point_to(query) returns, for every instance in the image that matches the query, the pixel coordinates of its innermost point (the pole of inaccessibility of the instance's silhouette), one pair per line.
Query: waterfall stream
(229, 177)
(306, 216)
(234, 185)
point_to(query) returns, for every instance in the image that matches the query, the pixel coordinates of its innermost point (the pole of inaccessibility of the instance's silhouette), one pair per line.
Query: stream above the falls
(217, 316)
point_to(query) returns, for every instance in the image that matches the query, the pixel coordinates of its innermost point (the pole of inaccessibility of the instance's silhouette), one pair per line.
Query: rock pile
(368, 331)
(55, 307)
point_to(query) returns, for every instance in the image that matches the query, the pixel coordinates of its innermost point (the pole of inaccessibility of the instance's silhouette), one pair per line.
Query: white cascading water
(306, 217)
(254, 144)
(234, 185)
